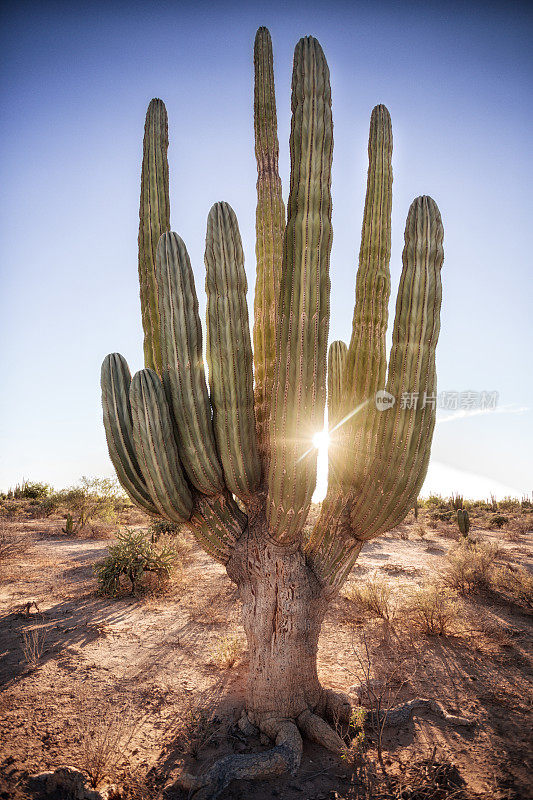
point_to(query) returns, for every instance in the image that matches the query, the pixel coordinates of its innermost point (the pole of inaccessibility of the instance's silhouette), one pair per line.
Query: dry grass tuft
(196, 728)
(514, 583)
(33, 641)
(105, 733)
(374, 596)
(469, 566)
(11, 544)
(433, 607)
(227, 651)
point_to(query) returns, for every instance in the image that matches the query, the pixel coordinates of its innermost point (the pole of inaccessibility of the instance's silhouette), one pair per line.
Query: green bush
(498, 521)
(164, 526)
(94, 498)
(132, 556)
(29, 490)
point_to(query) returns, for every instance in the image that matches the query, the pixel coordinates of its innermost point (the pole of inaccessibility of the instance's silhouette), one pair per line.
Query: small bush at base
(132, 556)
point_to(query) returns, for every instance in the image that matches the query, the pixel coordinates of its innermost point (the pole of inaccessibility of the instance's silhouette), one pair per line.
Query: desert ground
(134, 689)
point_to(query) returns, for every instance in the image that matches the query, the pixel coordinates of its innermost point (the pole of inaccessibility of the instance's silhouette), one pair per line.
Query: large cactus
(237, 464)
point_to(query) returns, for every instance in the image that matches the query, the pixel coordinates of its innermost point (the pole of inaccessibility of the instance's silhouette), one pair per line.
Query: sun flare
(321, 440)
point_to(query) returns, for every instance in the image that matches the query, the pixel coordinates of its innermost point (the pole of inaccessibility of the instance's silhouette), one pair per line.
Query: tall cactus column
(235, 463)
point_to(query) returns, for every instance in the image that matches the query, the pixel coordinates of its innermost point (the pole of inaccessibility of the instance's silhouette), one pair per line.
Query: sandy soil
(150, 668)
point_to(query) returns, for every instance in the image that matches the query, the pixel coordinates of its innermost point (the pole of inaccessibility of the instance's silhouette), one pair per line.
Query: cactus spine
(187, 454)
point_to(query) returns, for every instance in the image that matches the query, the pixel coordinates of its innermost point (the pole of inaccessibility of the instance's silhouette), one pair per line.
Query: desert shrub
(442, 515)
(226, 651)
(48, 505)
(93, 499)
(420, 529)
(132, 556)
(29, 490)
(13, 509)
(522, 524)
(509, 504)
(435, 501)
(195, 728)
(498, 520)
(515, 583)
(33, 642)
(34, 490)
(11, 545)
(105, 732)
(373, 595)
(164, 526)
(480, 505)
(469, 566)
(433, 607)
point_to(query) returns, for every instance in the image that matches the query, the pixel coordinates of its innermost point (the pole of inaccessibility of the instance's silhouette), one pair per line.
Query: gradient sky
(76, 81)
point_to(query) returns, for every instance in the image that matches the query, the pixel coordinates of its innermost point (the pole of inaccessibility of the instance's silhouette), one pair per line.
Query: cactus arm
(404, 435)
(336, 372)
(299, 391)
(401, 437)
(183, 365)
(229, 353)
(350, 448)
(156, 449)
(270, 226)
(154, 219)
(115, 383)
(366, 360)
(217, 522)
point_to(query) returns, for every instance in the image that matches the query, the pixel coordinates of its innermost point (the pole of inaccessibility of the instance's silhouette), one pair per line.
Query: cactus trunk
(283, 608)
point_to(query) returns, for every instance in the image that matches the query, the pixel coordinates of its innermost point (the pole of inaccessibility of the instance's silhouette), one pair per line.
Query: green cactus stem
(463, 521)
(229, 352)
(69, 525)
(270, 227)
(154, 219)
(183, 374)
(299, 392)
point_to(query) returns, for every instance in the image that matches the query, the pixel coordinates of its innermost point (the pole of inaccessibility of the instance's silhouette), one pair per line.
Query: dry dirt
(156, 659)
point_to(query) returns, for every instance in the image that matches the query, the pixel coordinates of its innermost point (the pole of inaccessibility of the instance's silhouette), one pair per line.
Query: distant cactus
(463, 521)
(237, 463)
(69, 525)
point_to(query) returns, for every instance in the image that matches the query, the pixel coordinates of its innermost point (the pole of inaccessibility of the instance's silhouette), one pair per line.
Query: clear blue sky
(76, 81)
